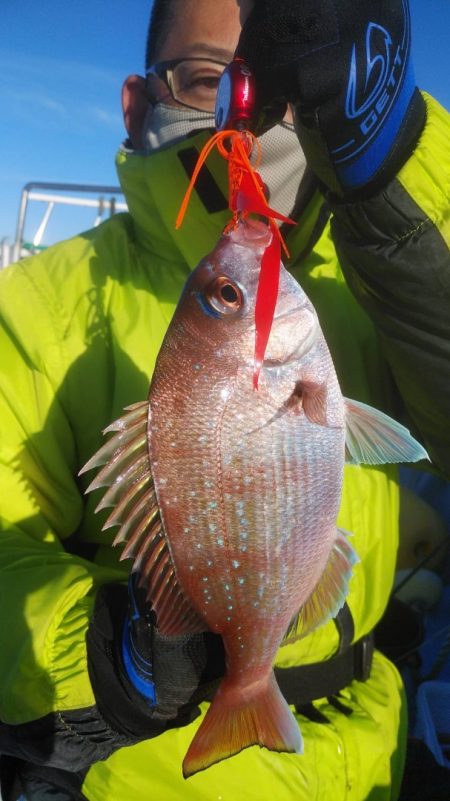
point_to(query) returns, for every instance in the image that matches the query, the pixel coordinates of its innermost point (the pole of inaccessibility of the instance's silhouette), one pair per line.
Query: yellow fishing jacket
(80, 329)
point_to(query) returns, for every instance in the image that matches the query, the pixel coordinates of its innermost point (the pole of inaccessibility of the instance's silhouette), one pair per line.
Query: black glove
(346, 68)
(144, 682)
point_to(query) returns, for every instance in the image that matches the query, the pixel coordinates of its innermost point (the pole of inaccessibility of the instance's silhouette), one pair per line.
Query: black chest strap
(306, 683)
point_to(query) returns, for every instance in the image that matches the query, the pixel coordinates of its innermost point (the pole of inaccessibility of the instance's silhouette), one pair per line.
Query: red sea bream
(227, 497)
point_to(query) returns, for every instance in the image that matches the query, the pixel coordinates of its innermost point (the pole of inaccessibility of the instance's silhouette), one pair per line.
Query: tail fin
(235, 721)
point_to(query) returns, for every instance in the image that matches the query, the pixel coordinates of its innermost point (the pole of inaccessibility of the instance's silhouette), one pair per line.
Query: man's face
(201, 29)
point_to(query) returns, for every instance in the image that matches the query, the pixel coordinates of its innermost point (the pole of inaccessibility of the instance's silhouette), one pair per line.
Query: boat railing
(104, 200)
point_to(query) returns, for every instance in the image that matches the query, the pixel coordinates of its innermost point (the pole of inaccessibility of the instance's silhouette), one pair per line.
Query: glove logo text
(376, 73)
(379, 75)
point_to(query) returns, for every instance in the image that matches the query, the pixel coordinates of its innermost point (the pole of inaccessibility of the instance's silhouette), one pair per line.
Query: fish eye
(224, 295)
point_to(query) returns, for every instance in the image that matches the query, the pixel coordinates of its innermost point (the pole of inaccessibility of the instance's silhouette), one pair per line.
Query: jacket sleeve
(47, 707)
(394, 251)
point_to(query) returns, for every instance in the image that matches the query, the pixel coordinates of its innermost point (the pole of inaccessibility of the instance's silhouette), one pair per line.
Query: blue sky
(61, 70)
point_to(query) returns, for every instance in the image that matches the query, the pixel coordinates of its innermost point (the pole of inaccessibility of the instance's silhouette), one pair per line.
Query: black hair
(161, 17)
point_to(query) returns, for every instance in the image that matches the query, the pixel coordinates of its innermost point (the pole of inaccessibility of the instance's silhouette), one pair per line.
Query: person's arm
(55, 689)
(380, 152)
(47, 594)
(394, 251)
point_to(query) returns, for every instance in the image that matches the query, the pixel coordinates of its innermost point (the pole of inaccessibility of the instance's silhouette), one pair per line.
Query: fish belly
(249, 505)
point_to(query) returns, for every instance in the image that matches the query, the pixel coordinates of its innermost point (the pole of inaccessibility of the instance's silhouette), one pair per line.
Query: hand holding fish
(346, 69)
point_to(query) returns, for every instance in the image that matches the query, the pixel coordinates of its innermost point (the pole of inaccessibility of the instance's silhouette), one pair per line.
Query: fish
(226, 497)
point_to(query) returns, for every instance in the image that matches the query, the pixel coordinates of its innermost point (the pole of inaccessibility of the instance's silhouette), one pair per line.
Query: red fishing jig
(235, 106)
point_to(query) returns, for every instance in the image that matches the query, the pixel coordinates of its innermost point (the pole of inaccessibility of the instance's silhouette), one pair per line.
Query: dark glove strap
(121, 706)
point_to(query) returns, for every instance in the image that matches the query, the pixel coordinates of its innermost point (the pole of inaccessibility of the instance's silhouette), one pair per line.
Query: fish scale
(227, 497)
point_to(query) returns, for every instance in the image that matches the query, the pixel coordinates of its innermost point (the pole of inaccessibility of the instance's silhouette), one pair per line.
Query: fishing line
(423, 562)
(444, 630)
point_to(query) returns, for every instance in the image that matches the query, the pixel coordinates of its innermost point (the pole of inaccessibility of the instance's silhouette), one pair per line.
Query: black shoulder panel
(397, 265)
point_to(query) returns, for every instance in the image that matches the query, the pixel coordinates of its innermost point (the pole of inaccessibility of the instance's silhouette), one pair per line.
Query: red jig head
(236, 98)
(241, 104)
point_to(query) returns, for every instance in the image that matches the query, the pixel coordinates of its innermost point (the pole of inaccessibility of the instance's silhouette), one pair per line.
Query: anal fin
(330, 593)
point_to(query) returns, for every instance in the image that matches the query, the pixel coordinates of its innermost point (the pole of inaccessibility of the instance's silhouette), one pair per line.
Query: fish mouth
(302, 347)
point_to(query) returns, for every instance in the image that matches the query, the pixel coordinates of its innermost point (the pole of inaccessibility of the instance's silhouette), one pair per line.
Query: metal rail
(57, 194)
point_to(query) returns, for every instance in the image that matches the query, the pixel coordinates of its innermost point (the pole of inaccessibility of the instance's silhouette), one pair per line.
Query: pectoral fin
(374, 438)
(311, 397)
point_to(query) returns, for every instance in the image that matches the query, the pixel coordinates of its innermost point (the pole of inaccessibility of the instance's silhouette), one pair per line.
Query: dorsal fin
(126, 472)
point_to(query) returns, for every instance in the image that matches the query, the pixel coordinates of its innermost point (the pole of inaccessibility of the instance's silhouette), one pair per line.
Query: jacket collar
(154, 187)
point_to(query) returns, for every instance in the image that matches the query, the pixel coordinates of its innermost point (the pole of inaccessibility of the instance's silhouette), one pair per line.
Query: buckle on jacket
(363, 654)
